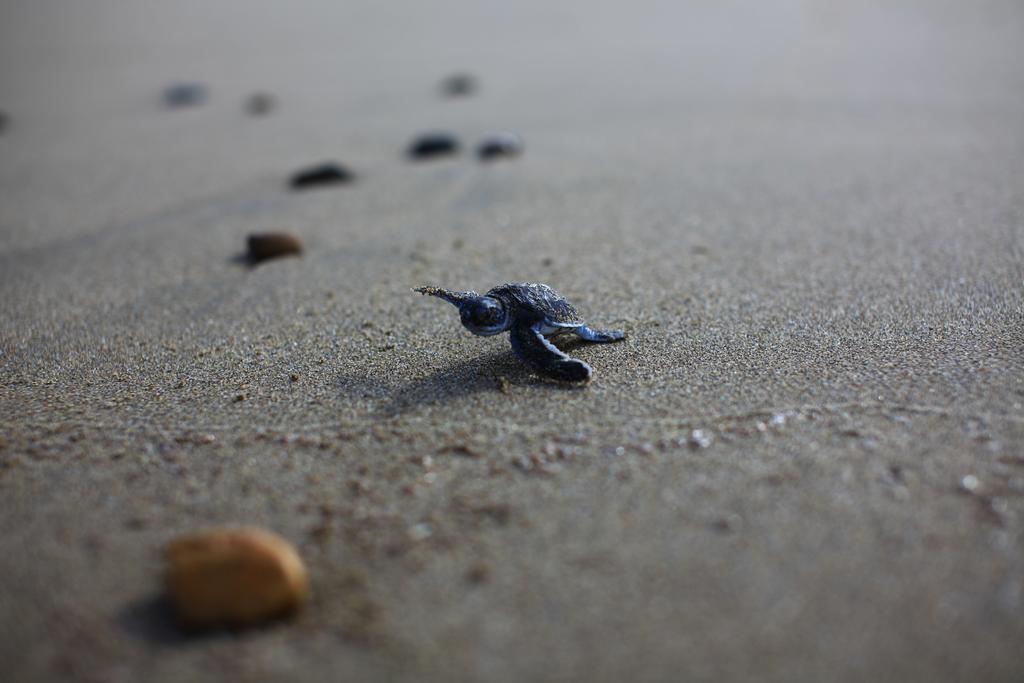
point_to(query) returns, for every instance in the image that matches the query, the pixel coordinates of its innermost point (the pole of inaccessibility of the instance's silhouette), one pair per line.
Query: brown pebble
(234, 577)
(272, 245)
(478, 573)
(462, 449)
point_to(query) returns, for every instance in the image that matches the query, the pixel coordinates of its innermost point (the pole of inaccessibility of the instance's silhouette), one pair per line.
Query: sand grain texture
(807, 218)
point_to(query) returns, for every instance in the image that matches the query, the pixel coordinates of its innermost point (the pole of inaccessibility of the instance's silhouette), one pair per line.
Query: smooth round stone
(234, 577)
(269, 245)
(260, 104)
(321, 175)
(459, 85)
(499, 146)
(434, 145)
(185, 95)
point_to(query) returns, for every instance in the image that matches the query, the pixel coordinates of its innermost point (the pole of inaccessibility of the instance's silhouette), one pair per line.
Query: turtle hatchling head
(484, 315)
(481, 315)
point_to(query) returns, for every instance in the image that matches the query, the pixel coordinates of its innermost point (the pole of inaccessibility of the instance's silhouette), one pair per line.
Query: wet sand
(807, 219)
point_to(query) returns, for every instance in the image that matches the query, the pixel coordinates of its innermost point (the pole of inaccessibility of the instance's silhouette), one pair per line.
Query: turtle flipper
(529, 344)
(597, 336)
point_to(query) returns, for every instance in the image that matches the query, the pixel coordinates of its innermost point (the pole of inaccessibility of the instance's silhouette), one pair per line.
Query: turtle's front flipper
(597, 336)
(529, 344)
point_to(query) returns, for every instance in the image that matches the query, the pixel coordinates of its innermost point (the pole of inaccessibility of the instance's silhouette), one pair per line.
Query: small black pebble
(458, 85)
(434, 145)
(260, 104)
(185, 95)
(324, 174)
(500, 145)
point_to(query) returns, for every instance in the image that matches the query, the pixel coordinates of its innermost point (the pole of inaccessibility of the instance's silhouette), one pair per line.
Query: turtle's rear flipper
(597, 336)
(529, 344)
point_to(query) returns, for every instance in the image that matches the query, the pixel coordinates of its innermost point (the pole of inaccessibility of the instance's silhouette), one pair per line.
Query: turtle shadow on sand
(490, 372)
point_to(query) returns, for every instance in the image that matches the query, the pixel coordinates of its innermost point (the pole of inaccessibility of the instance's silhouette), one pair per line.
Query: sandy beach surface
(805, 463)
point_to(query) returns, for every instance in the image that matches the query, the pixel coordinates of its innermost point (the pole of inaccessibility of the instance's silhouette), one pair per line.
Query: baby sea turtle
(532, 313)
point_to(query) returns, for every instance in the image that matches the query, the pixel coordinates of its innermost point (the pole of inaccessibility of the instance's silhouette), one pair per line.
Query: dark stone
(185, 95)
(4, 120)
(270, 245)
(324, 174)
(459, 85)
(500, 145)
(434, 145)
(260, 104)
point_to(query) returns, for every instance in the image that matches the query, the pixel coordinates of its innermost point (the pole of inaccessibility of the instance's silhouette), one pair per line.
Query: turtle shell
(537, 301)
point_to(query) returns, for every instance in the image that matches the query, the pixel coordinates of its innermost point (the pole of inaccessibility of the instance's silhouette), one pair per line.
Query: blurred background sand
(806, 215)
